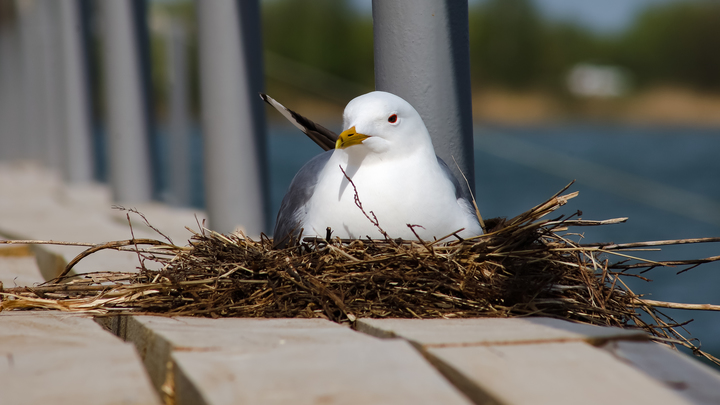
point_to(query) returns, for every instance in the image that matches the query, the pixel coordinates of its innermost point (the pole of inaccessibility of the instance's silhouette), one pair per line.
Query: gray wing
(292, 208)
(461, 189)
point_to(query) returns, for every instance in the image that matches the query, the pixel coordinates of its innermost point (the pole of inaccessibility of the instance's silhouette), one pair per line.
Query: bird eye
(392, 119)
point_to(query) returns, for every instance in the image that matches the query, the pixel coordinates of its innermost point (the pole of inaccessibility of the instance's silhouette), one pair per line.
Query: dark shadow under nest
(527, 266)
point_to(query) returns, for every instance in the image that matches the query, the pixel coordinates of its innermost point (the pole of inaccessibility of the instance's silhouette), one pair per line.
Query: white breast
(398, 193)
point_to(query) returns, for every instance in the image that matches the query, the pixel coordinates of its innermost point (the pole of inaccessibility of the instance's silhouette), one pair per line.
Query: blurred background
(533, 61)
(621, 96)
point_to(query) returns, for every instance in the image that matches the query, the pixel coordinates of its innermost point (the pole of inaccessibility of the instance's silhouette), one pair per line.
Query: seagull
(380, 178)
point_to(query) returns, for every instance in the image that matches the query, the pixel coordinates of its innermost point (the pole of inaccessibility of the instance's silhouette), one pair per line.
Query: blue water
(664, 179)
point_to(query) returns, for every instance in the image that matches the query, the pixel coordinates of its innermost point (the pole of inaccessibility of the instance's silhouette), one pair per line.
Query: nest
(526, 266)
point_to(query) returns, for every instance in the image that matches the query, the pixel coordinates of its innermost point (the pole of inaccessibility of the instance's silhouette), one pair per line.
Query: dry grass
(525, 266)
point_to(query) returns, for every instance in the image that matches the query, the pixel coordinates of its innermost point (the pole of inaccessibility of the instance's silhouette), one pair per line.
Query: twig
(44, 242)
(109, 245)
(649, 265)
(427, 247)
(585, 222)
(615, 246)
(477, 210)
(147, 223)
(677, 305)
(137, 251)
(358, 203)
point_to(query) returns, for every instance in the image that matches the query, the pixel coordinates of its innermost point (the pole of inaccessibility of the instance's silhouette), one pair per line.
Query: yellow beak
(350, 137)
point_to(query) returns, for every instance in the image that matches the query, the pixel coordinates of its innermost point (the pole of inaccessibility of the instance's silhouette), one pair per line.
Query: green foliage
(677, 43)
(566, 45)
(327, 34)
(511, 46)
(506, 43)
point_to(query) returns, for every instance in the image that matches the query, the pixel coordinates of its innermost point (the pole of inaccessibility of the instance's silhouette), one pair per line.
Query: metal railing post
(179, 112)
(422, 55)
(233, 127)
(77, 137)
(30, 95)
(9, 91)
(48, 37)
(126, 109)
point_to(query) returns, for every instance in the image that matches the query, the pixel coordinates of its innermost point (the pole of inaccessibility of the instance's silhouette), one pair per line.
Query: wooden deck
(54, 357)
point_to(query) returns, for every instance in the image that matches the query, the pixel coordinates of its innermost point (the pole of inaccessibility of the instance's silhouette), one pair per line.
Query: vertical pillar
(179, 111)
(233, 130)
(5, 127)
(51, 129)
(126, 108)
(77, 136)
(30, 94)
(13, 92)
(422, 55)
(8, 84)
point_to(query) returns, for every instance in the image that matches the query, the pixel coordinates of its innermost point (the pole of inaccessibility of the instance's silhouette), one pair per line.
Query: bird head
(383, 123)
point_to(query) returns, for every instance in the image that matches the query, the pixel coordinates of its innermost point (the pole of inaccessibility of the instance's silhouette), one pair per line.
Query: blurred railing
(45, 101)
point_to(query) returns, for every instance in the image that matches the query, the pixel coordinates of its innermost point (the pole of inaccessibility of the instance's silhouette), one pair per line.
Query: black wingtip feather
(322, 136)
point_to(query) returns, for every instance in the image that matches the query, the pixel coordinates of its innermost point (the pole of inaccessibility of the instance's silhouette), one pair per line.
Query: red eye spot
(392, 119)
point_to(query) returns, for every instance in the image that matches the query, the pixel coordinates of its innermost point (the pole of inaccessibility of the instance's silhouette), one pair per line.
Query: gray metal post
(51, 82)
(8, 92)
(4, 80)
(5, 131)
(126, 114)
(30, 95)
(179, 111)
(77, 139)
(13, 91)
(422, 55)
(232, 126)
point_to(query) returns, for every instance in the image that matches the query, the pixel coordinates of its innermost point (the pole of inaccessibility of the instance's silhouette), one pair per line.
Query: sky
(602, 16)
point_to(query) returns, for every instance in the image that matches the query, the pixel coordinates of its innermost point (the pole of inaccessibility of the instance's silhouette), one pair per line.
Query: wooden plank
(486, 337)
(18, 267)
(389, 372)
(251, 360)
(684, 375)
(486, 331)
(156, 336)
(51, 328)
(548, 373)
(55, 358)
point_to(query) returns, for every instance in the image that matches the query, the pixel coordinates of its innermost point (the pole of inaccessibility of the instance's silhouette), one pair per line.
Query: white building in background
(588, 80)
